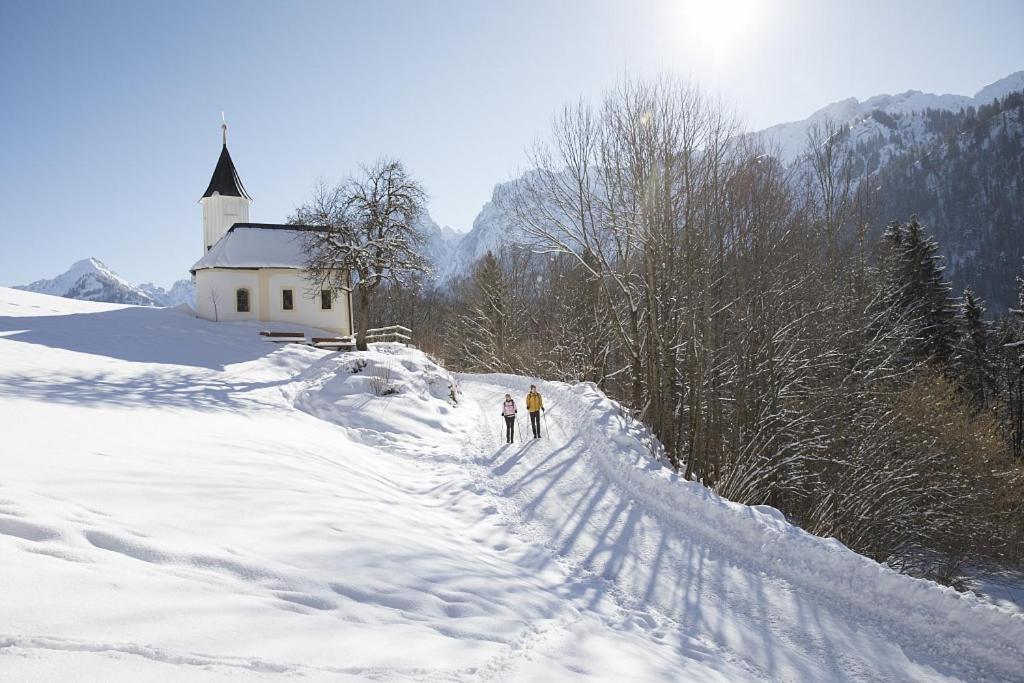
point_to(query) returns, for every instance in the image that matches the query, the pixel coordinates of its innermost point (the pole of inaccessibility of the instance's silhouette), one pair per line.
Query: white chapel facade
(254, 271)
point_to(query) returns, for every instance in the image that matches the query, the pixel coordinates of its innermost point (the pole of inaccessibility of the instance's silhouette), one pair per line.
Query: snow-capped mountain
(883, 127)
(181, 292)
(492, 228)
(439, 244)
(790, 139)
(92, 280)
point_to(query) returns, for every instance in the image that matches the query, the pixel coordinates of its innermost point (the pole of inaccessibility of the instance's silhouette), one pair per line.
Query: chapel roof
(259, 245)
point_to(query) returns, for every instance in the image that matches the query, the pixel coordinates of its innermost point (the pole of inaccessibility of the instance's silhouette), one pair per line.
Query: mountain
(492, 228)
(965, 181)
(181, 292)
(790, 139)
(92, 280)
(955, 160)
(439, 244)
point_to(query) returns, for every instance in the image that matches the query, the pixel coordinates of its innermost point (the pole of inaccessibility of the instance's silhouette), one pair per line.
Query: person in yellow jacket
(534, 404)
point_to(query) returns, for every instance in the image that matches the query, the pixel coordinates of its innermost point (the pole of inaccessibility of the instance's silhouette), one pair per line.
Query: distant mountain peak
(791, 138)
(1001, 88)
(90, 279)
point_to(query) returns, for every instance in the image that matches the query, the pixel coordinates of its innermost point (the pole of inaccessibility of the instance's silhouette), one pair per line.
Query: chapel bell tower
(225, 201)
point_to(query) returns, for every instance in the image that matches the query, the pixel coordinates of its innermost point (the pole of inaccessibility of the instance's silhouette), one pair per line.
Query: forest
(787, 345)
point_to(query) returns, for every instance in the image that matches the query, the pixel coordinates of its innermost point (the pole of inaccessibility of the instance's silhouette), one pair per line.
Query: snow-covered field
(181, 500)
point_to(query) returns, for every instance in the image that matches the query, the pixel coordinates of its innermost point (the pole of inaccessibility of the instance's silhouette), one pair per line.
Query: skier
(508, 411)
(534, 404)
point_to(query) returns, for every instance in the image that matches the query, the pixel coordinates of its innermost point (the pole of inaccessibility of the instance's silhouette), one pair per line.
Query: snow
(455, 253)
(183, 500)
(91, 280)
(256, 247)
(790, 139)
(1001, 88)
(66, 280)
(181, 292)
(439, 244)
(492, 228)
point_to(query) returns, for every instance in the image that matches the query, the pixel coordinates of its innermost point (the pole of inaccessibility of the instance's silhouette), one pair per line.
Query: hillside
(966, 182)
(184, 501)
(955, 160)
(790, 139)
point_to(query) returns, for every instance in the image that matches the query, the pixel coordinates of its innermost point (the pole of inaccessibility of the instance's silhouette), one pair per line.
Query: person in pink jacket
(508, 411)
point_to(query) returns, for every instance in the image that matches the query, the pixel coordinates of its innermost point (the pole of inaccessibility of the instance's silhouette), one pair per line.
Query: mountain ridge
(890, 125)
(790, 138)
(90, 279)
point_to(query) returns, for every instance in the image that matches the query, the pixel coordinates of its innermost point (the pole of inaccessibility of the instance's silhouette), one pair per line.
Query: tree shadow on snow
(144, 335)
(163, 389)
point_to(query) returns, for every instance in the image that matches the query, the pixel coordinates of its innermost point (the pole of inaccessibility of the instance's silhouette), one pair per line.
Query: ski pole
(519, 429)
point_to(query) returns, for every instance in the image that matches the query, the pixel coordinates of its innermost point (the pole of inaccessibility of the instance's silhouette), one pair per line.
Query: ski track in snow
(184, 501)
(580, 495)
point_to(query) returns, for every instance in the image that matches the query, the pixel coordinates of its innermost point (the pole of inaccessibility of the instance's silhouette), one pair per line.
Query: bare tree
(214, 297)
(830, 178)
(372, 233)
(743, 316)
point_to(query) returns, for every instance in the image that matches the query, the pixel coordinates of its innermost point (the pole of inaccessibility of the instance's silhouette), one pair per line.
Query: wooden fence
(392, 333)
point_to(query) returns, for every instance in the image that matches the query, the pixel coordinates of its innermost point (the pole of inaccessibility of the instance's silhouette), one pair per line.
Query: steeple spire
(225, 180)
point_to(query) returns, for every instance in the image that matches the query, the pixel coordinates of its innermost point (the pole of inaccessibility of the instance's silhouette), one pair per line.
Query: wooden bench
(336, 343)
(283, 335)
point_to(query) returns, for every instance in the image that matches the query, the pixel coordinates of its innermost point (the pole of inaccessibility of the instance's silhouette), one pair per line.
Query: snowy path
(180, 500)
(717, 576)
(183, 501)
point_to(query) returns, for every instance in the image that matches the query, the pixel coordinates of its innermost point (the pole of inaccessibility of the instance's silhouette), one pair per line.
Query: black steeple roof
(225, 178)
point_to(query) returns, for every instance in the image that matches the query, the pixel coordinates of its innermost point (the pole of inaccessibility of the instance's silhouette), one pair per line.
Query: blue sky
(110, 110)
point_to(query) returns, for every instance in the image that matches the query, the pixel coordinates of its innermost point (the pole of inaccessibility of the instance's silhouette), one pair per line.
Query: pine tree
(973, 358)
(922, 291)
(1013, 371)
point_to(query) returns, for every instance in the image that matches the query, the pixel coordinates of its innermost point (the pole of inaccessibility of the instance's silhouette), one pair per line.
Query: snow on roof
(258, 245)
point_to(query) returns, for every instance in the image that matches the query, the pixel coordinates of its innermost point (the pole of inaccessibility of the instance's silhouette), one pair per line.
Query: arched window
(242, 300)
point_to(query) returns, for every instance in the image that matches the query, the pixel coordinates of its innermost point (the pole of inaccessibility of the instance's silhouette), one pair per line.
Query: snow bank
(762, 539)
(389, 396)
(183, 500)
(166, 513)
(594, 492)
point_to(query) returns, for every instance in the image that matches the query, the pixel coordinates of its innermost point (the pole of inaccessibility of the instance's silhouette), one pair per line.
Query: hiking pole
(544, 414)
(519, 429)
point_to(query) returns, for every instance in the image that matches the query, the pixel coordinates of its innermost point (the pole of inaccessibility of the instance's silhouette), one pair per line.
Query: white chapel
(254, 271)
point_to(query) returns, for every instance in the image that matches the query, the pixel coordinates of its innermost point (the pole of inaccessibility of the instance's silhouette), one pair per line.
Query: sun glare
(719, 24)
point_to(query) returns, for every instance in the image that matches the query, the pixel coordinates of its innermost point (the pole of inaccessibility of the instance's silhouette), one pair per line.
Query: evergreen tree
(973, 359)
(1012, 344)
(922, 291)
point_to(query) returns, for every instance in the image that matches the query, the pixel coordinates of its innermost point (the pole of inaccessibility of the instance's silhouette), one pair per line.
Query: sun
(720, 25)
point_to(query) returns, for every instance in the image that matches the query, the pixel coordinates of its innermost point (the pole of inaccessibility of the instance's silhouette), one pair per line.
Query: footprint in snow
(26, 530)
